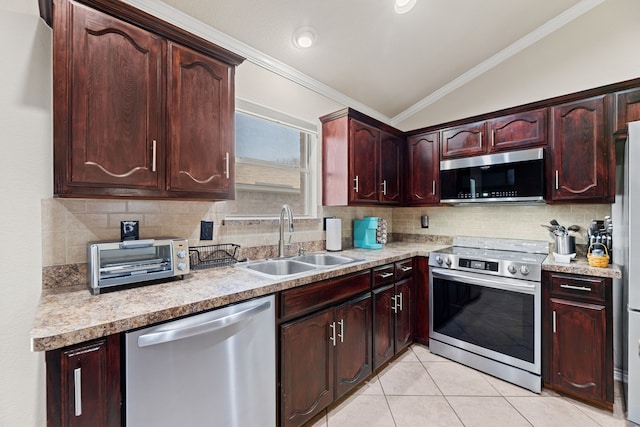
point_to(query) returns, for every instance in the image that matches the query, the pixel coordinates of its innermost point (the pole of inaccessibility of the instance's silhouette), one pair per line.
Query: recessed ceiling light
(403, 6)
(304, 37)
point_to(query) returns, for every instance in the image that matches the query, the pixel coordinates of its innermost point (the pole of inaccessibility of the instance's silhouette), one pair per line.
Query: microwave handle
(130, 244)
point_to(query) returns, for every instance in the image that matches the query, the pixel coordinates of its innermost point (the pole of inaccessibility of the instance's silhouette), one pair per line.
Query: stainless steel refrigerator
(627, 221)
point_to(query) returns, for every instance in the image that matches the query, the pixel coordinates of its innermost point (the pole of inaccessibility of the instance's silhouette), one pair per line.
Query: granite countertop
(68, 318)
(580, 265)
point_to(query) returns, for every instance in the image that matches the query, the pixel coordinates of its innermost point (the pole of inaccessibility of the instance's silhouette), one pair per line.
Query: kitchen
(27, 173)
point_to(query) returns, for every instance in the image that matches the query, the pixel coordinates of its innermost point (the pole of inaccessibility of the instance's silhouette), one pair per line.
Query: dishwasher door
(213, 369)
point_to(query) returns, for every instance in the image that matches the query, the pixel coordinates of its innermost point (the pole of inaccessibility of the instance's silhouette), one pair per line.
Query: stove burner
(521, 259)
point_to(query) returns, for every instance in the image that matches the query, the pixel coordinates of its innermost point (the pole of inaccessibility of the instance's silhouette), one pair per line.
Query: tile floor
(422, 389)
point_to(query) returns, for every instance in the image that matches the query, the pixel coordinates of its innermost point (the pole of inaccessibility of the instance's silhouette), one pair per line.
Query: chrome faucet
(286, 209)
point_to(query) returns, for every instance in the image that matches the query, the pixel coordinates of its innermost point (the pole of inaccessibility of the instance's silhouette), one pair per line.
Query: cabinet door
(578, 357)
(363, 162)
(465, 140)
(517, 131)
(383, 325)
(580, 152)
(200, 147)
(390, 156)
(115, 87)
(424, 169)
(627, 109)
(306, 368)
(83, 384)
(353, 344)
(404, 314)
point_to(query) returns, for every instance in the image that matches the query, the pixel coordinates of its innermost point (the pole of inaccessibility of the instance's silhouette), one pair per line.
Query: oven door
(494, 317)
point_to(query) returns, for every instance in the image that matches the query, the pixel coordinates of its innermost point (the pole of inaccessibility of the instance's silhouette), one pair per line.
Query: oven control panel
(478, 265)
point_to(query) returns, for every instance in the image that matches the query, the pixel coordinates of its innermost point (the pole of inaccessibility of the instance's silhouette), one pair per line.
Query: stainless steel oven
(485, 308)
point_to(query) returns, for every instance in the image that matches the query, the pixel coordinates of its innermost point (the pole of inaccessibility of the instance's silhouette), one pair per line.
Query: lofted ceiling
(386, 65)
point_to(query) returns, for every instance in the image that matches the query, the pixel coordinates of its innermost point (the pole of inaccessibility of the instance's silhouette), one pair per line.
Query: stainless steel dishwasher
(213, 369)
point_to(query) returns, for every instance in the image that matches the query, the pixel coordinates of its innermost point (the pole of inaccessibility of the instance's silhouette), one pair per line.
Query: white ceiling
(386, 65)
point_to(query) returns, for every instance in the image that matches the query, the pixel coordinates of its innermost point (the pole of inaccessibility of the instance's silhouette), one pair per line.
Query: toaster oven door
(124, 263)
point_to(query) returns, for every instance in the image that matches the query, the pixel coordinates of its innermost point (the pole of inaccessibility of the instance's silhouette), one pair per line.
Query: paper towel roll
(334, 234)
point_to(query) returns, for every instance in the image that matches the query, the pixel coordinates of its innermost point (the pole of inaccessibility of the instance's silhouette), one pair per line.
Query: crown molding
(539, 33)
(187, 22)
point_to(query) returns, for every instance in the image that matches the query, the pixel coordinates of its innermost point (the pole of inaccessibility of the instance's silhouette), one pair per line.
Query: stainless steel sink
(324, 259)
(280, 267)
(283, 267)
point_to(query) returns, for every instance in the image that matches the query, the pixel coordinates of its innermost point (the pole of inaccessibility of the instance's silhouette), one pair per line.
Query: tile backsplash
(69, 224)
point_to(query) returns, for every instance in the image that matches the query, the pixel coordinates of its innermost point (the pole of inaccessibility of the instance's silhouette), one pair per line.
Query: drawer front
(578, 287)
(305, 299)
(404, 269)
(383, 275)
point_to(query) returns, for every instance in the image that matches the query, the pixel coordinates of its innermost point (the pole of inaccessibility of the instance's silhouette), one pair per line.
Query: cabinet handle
(493, 137)
(577, 288)
(341, 334)
(385, 275)
(400, 298)
(433, 184)
(226, 168)
(355, 180)
(481, 139)
(557, 179)
(554, 321)
(153, 156)
(395, 303)
(384, 187)
(405, 269)
(77, 387)
(333, 333)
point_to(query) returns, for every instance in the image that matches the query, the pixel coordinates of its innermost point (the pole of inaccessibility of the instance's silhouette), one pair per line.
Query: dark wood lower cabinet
(577, 337)
(83, 384)
(322, 357)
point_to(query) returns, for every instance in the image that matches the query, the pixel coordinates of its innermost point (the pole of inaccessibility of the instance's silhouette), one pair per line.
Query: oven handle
(504, 283)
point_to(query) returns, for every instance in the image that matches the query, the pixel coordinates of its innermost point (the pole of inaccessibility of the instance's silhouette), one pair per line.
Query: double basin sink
(282, 267)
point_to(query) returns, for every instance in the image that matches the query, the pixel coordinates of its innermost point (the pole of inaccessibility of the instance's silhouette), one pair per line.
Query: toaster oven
(129, 262)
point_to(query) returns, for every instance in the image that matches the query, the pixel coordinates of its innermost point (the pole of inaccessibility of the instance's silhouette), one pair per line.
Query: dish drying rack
(211, 256)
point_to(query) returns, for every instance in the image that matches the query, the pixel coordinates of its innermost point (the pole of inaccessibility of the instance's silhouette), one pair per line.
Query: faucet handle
(301, 250)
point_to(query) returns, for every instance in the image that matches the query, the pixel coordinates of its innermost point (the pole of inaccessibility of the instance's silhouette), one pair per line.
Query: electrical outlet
(129, 230)
(206, 230)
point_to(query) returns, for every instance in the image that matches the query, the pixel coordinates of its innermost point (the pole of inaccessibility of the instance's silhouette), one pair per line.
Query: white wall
(25, 178)
(596, 49)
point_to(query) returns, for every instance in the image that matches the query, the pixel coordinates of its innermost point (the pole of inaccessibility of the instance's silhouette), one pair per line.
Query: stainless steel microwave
(514, 176)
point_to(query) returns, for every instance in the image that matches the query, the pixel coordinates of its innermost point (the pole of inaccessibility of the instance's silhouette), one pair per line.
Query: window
(275, 163)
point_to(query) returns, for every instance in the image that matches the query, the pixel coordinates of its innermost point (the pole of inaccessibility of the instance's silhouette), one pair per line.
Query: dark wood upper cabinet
(423, 169)
(627, 109)
(518, 131)
(582, 155)
(361, 160)
(391, 148)
(135, 114)
(115, 88)
(201, 143)
(464, 140)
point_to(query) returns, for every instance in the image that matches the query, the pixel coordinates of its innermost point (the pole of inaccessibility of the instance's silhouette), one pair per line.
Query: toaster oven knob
(181, 254)
(524, 270)
(182, 266)
(512, 269)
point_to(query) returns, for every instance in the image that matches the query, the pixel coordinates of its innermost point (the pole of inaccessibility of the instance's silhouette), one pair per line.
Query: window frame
(311, 170)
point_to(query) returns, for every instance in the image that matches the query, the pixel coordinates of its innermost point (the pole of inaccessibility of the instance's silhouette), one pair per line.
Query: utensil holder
(598, 261)
(565, 245)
